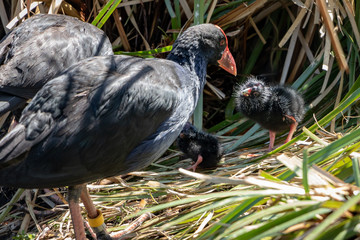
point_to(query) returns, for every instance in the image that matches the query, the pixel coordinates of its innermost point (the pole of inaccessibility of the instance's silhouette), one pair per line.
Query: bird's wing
(291, 104)
(35, 125)
(42, 47)
(128, 109)
(88, 120)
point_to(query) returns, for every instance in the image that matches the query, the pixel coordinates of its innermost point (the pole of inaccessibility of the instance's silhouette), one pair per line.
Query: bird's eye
(222, 42)
(256, 94)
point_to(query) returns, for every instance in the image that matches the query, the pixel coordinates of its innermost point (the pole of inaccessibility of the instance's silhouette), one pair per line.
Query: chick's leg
(272, 140)
(199, 160)
(291, 132)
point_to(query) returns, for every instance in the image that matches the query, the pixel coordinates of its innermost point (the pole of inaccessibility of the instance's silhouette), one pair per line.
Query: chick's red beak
(246, 92)
(227, 62)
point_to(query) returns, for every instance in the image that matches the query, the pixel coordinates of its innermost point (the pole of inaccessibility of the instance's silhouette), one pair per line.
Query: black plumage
(203, 148)
(276, 108)
(41, 48)
(109, 115)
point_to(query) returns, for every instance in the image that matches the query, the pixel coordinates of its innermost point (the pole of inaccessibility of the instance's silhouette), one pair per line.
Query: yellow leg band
(98, 221)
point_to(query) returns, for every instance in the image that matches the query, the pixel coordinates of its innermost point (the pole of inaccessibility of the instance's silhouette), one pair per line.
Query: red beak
(227, 62)
(246, 92)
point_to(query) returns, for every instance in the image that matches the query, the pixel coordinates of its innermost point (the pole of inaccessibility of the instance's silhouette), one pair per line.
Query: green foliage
(105, 13)
(24, 236)
(146, 54)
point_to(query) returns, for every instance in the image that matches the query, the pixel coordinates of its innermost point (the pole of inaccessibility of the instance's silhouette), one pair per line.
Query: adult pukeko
(107, 116)
(275, 108)
(39, 49)
(203, 148)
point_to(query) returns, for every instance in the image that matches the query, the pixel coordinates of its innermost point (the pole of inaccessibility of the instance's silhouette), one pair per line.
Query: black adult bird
(39, 49)
(275, 108)
(107, 116)
(203, 148)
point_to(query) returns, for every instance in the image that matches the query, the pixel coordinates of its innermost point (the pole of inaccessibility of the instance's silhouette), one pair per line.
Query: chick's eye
(256, 94)
(222, 42)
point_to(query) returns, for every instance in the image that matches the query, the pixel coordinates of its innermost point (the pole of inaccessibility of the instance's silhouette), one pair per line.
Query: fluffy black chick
(203, 148)
(276, 108)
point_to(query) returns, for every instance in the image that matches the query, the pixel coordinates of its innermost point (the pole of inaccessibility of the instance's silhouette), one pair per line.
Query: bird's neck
(191, 60)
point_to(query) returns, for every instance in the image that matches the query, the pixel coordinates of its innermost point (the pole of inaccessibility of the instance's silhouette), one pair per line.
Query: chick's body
(276, 108)
(203, 148)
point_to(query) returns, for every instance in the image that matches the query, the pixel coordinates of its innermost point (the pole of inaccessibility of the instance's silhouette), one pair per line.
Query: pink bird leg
(77, 220)
(272, 140)
(292, 128)
(199, 160)
(291, 132)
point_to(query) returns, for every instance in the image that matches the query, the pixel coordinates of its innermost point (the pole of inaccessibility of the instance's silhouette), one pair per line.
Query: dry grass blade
(133, 21)
(215, 90)
(122, 34)
(247, 181)
(295, 24)
(186, 9)
(327, 76)
(68, 9)
(25, 224)
(122, 234)
(54, 7)
(133, 2)
(350, 13)
(309, 15)
(240, 13)
(305, 43)
(289, 54)
(253, 24)
(3, 16)
(295, 164)
(304, 40)
(21, 15)
(299, 3)
(339, 53)
(327, 91)
(30, 205)
(211, 10)
(327, 48)
(265, 12)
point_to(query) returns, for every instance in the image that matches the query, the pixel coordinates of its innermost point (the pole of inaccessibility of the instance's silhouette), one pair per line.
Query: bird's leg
(272, 140)
(73, 199)
(293, 127)
(199, 160)
(95, 217)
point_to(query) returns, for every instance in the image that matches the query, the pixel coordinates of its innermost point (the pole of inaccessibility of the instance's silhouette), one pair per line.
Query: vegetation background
(305, 189)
